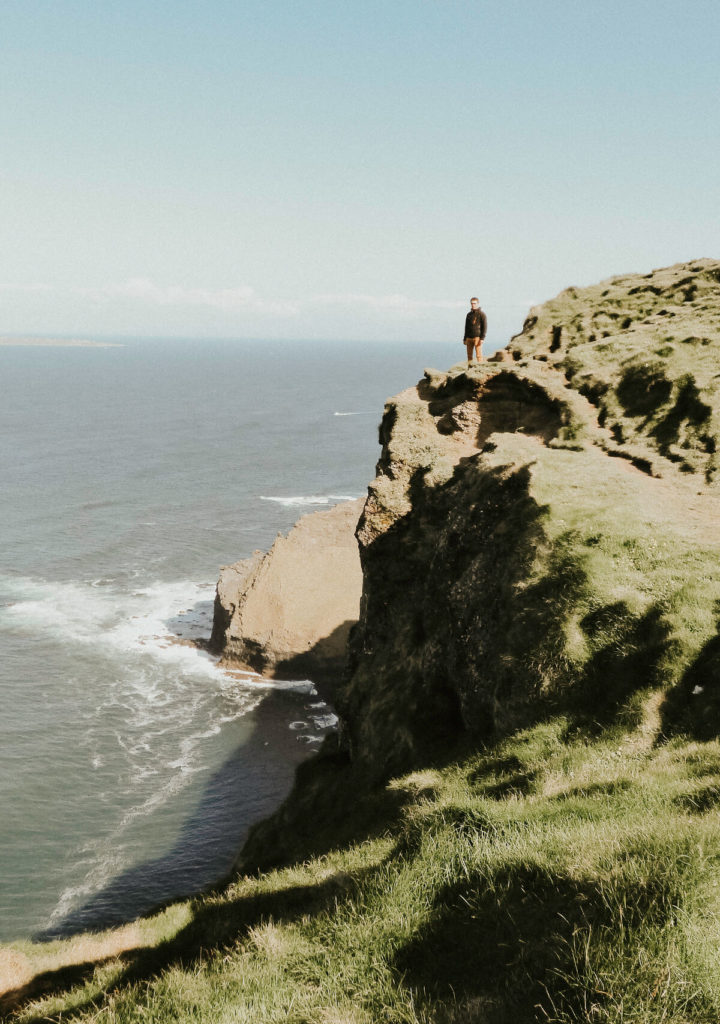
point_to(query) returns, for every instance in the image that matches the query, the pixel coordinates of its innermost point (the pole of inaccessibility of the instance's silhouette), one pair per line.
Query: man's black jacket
(475, 324)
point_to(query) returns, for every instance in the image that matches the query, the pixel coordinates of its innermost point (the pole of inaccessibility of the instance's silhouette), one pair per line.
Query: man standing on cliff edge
(475, 330)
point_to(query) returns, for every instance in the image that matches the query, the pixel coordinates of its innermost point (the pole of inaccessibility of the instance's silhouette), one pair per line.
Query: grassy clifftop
(644, 350)
(519, 819)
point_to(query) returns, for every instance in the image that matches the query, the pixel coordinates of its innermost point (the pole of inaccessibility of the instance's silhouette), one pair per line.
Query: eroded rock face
(287, 613)
(513, 565)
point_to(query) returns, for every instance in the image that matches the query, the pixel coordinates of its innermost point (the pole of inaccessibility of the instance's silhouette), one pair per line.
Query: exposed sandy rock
(287, 613)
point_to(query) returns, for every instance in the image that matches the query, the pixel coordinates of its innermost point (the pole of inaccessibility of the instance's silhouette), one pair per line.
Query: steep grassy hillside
(543, 537)
(550, 877)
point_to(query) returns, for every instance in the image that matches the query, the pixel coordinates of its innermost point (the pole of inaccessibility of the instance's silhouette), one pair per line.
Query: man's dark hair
(474, 299)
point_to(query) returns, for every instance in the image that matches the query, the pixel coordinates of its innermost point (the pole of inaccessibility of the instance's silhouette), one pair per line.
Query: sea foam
(99, 613)
(313, 499)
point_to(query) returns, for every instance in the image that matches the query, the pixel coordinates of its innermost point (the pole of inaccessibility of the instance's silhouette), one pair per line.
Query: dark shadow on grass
(53, 983)
(630, 653)
(688, 409)
(693, 706)
(596, 789)
(643, 389)
(702, 800)
(505, 940)
(502, 777)
(50, 983)
(214, 927)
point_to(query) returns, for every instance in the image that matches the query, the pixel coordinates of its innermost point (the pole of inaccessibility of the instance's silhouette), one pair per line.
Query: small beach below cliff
(132, 766)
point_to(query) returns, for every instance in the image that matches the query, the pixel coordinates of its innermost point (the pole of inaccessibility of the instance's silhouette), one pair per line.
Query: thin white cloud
(140, 305)
(229, 300)
(397, 302)
(145, 291)
(243, 298)
(32, 289)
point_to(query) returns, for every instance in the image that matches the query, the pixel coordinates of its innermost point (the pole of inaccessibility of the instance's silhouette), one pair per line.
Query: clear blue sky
(350, 171)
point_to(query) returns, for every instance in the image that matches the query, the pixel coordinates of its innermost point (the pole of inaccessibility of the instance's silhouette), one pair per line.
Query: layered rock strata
(287, 613)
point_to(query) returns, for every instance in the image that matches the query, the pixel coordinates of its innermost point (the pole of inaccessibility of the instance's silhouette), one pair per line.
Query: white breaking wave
(290, 685)
(327, 721)
(148, 619)
(152, 708)
(313, 499)
(363, 413)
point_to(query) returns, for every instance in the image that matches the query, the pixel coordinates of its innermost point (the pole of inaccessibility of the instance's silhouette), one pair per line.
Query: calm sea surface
(131, 766)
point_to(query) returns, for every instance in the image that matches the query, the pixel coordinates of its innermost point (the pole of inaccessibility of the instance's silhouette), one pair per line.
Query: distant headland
(58, 342)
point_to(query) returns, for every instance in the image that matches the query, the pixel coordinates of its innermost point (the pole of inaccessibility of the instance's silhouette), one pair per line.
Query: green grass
(550, 877)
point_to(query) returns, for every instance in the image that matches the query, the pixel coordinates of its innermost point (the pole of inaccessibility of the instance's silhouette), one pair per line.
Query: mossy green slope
(534, 578)
(645, 349)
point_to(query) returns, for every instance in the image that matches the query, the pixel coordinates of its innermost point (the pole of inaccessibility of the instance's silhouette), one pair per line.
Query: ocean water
(131, 765)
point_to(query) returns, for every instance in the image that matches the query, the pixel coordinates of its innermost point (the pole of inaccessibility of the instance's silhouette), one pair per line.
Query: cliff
(542, 535)
(287, 613)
